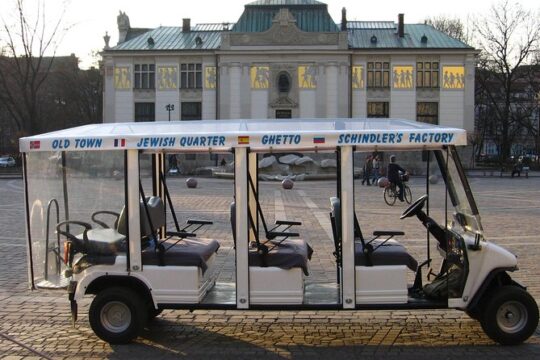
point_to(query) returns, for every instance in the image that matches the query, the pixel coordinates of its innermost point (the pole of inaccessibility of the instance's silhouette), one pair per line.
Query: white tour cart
(108, 234)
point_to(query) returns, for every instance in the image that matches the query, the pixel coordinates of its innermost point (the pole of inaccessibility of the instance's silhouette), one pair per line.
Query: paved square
(510, 210)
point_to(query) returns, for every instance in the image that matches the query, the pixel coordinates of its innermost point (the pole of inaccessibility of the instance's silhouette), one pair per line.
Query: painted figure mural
(210, 77)
(307, 77)
(403, 77)
(260, 77)
(122, 78)
(357, 77)
(167, 78)
(453, 77)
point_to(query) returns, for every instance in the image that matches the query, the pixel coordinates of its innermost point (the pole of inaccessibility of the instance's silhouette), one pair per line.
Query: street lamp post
(169, 108)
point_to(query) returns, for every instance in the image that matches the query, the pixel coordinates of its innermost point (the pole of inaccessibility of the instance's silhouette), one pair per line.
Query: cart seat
(186, 252)
(380, 252)
(285, 254)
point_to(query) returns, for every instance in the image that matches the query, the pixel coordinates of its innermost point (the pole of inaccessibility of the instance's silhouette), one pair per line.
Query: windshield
(466, 214)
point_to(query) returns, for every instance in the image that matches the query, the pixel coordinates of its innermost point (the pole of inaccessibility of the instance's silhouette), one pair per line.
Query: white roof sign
(268, 134)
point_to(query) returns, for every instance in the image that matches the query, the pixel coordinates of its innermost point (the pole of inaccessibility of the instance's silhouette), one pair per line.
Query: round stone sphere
(433, 179)
(191, 183)
(383, 182)
(287, 184)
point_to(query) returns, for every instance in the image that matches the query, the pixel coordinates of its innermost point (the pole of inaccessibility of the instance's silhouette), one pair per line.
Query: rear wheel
(407, 194)
(510, 315)
(117, 315)
(389, 195)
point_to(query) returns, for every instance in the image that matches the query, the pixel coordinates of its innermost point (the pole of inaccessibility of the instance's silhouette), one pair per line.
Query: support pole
(241, 223)
(347, 227)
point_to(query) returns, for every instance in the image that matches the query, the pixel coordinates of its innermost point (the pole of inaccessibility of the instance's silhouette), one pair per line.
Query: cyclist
(394, 176)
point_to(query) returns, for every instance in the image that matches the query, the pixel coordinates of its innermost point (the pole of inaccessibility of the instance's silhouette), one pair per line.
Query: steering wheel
(414, 208)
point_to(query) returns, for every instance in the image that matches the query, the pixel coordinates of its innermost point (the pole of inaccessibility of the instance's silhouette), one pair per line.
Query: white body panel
(381, 284)
(168, 284)
(481, 263)
(273, 285)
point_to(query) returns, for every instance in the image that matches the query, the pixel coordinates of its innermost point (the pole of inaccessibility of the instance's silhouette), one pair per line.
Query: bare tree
(24, 66)
(450, 26)
(510, 40)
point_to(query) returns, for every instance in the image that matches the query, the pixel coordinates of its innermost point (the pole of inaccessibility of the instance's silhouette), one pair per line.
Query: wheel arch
(496, 278)
(131, 282)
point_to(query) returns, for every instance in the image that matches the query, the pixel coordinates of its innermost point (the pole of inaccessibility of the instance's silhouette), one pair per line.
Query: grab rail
(56, 249)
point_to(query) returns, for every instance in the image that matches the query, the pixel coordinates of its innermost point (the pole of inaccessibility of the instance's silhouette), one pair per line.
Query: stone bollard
(287, 184)
(433, 179)
(383, 182)
(191, 183)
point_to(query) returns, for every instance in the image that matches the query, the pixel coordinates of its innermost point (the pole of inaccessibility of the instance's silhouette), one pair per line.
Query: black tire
(389, 196)
(509, 316)
(407, 194)
(474, 313)
(153, 312)
(117, 315)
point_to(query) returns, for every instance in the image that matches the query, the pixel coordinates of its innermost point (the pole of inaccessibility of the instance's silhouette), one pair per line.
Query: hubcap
(512, 317)
(115, 316)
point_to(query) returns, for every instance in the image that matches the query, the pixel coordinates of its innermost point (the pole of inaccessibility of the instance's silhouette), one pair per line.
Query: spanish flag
(243, 140)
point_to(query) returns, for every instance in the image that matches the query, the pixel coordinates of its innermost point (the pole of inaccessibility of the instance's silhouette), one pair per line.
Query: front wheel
(389, 195)
(407, 194)
(117, 315)
(510, 315)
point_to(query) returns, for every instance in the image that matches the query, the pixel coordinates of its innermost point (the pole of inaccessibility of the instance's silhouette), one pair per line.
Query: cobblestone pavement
(40, 320)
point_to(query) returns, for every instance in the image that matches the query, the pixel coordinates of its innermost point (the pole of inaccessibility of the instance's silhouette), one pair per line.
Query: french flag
(119, 142)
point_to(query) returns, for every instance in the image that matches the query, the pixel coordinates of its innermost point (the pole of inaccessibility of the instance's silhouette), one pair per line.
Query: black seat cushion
(290, 253)
(390, 253)
(186, 252)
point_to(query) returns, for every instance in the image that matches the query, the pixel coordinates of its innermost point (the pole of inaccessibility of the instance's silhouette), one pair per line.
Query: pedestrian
(518, 166)
(376, 168)
(368, 167)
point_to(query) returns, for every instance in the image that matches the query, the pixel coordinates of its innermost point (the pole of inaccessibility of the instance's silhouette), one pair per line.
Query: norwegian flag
(119, 142)
(34, 145)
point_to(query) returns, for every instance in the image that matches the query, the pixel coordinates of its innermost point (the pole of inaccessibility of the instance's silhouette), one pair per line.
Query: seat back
(156, 213)
(232, 218)
(335, 220)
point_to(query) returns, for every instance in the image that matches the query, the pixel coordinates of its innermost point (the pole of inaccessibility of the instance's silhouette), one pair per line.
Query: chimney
(186, 25)
(343, 19)
(401, 25)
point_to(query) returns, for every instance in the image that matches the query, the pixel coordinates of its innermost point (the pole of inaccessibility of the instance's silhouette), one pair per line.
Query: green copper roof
(360, 36)
(310, 15)
(172, 38)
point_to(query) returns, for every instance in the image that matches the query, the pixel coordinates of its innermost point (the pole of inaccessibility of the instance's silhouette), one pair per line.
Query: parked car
(7, 161)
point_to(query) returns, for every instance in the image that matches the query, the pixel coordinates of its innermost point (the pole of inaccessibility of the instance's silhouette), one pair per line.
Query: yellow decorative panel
(403, 77)
(307, 77)
(210, 77)
(357, 77)
(453, 77)
(260, 77)
(122, 78)
(167, 78)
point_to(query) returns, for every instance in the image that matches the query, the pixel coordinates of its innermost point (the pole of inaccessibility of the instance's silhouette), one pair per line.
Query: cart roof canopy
(265, 135)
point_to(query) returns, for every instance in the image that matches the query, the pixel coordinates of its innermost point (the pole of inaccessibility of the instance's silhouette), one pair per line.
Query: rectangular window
(190, 76)
(427, 74)
(145, 76)
(427, 112)
(191, 111)
(378, 110)
(145, 112)
(378, 74)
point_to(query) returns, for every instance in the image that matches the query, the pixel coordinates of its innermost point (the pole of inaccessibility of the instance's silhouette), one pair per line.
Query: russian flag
(119, 142)
(319, 140)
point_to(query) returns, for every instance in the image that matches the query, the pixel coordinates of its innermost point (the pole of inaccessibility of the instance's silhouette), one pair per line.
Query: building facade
(289, 59)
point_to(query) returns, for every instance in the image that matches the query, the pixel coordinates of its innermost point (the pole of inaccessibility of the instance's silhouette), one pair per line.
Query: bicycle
(391, 191)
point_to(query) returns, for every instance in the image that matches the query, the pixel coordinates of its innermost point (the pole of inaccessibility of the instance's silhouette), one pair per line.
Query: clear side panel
(94, 188)
(45, 192)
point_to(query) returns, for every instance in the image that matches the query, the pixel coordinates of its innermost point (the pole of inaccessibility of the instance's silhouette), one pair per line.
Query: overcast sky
(92, 18)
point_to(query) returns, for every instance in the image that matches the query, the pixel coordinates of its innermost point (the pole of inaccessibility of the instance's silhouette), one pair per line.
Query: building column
(332, 90)
(235, 77)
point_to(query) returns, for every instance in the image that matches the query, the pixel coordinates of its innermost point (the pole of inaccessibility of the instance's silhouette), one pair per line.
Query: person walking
(376, 169)
(368, 167)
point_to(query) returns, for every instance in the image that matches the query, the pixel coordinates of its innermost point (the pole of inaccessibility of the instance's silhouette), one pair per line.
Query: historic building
(289, 58)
